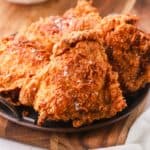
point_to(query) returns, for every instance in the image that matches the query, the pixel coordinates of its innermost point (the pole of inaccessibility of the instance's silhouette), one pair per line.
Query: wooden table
(14, 17)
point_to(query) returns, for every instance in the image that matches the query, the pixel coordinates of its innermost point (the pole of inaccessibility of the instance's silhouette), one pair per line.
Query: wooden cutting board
(14, 17)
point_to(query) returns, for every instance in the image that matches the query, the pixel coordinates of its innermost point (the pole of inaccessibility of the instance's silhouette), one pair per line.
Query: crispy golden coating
(128, 50)
(82, 9)
(49, 30)
(20, 60)
(130, 56)
(109, 23)
(29, 50)
(23, 54)
(121, 42)
(78, 84)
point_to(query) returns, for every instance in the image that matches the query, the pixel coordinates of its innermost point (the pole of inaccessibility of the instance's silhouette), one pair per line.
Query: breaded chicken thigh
(28, 51)
(77, 85)
(126, 46)
(129, 55)
(123, 42)
(20, 60)
(128, 50)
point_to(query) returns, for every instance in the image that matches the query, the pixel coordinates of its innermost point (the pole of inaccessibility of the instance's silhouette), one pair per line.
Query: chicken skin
(128, 51)
(126, 46)
(77, 85)
(130, 57)
(50, 29)
(29, 50)
(20, 60)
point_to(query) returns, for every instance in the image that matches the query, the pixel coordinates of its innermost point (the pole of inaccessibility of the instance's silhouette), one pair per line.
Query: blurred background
(15, 16)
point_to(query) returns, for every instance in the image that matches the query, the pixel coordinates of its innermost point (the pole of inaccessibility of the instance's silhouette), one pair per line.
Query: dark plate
(14, 114)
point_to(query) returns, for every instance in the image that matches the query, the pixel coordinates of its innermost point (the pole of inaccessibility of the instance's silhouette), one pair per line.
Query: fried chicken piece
(82, 9)
(119, 46)
(23, 54)
(31, 49)
(109, 23)
(77, 85)
(139, 75)
(128, 50)
(129, 55)
(48, 30)
(19, 60)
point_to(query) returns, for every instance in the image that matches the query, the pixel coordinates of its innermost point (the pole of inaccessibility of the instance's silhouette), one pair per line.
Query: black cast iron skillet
(14, 114)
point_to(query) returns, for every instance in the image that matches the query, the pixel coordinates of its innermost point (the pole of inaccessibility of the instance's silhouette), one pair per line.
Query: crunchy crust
(19, 60)
(128, 51)
(78, 84)
(29, 50)
(82, 9)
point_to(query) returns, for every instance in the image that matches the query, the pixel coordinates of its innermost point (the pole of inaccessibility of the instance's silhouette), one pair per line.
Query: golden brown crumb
(128, 50)
(78, 84)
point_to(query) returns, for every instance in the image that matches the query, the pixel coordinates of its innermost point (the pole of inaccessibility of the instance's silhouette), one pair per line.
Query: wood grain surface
(13, 18)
